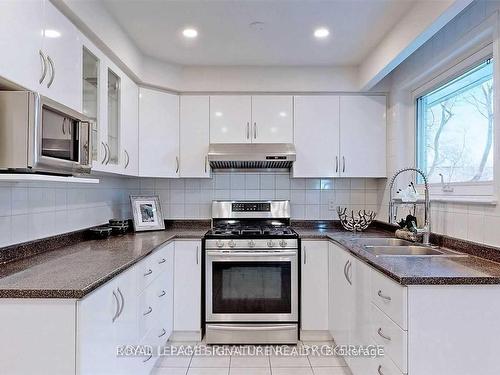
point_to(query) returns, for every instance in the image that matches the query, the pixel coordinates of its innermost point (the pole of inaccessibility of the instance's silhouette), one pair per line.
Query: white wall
(30, 210)
(474, 222)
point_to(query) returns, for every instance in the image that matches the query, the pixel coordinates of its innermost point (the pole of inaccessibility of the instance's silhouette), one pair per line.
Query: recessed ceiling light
(321, 32)
(190, 32)
(218, 114)
(50, 33)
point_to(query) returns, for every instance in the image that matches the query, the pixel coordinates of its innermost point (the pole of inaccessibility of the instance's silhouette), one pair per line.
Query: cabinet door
(96, 349)
(21, 42)
(158, 134)
(360, 329)
(342, 305)
(194, 136)
(316, 136)
(129, 127)
(187, 286)
(314, 289)
(230, 118)
(63, 46)
(126, 330)
(363, 136)
(272, 119)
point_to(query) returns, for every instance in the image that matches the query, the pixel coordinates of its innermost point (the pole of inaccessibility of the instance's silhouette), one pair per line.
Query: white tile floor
(252, 365)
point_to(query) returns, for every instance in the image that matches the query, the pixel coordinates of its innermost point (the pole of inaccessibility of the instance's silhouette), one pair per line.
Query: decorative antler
(355, 224)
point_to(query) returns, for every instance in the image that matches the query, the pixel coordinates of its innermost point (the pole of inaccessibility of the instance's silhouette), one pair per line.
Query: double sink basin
(390, 247)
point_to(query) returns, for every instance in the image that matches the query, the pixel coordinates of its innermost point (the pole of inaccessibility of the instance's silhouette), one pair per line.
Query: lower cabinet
(121, 313)
(187, 291)
(314, 290)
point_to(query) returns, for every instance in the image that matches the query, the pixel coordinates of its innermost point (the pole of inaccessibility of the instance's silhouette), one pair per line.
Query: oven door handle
(221, 327)
(242, 254)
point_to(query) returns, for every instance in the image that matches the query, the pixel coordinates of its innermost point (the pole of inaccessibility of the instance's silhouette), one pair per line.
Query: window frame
(470, 191)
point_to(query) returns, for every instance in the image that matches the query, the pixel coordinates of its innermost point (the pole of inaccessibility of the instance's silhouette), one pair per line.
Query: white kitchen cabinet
(41, 50)
(158, 134)
(272, 119)
(62, 46)
(343, 294)
(129, 127)
(360, 324)
(194, 136)
(96, 331)
(363, 136)
(230, 119)
(314, 289)
(187, 290)
(316, 136)
(21, 27)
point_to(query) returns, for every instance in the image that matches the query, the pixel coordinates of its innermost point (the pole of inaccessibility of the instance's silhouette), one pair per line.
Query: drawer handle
(163, 260)
(150, 310)
(149, 272)
(147, 359)
(387, 298)
(163, 333)
(381, 334)
(379, 370)
(162, 294)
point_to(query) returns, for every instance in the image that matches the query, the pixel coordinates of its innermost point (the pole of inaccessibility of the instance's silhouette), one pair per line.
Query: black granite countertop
(74, 270)
(436, 270)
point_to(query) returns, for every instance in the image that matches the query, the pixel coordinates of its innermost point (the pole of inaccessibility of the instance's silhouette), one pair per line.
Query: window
(455, 128)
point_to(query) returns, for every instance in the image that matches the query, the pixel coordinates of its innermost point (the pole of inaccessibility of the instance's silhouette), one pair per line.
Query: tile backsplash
(32, 210)
(311, 199)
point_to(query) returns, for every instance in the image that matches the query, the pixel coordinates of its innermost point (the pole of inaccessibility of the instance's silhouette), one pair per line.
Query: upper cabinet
(194, 136)
(41, 50)
(62, 47)
(340, 136)
(230, 119)
(363, 136)
(316, 135)
(21, 27)
(251, 119)
(158, 134)
(272, 119)
(129, 135)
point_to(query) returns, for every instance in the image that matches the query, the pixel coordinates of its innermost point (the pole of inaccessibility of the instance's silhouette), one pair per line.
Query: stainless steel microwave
(40, 135)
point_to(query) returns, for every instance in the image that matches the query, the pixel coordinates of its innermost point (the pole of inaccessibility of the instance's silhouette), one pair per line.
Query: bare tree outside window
(455, 128)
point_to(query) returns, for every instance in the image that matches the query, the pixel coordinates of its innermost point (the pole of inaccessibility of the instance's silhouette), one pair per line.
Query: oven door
(251, 286)
(62, 139)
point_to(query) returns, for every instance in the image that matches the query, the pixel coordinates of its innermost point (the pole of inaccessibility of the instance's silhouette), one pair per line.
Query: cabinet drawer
(387, 333)
(146, 271)
(148, 311)
(390, 297)
(383, 366)
(163, 258)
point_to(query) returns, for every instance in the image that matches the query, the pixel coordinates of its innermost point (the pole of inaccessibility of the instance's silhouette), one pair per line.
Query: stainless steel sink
(381, 241)
(411, 251)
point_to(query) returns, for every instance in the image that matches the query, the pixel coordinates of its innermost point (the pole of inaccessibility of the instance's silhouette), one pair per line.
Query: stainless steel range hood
(251, 155)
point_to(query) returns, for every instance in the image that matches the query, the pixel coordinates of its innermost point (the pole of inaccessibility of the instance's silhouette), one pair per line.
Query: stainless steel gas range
(251, 274)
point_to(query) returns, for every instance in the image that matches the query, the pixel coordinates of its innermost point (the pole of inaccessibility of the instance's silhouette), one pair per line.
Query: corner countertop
(75, 270)
(470, 270)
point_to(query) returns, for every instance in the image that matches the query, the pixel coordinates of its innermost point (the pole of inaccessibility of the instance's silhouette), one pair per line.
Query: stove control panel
(290, 243)
(251, 207)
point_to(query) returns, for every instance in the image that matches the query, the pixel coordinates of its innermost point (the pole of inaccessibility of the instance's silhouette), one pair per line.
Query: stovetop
(244, 230)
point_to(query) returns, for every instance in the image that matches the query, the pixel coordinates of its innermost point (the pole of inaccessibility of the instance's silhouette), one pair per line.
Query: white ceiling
(225, 37)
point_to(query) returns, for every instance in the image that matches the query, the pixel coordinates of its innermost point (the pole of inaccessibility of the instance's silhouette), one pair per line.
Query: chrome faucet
(426, 229)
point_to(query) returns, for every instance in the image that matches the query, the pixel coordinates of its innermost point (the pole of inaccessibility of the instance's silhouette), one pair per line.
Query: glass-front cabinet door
(113, 141)
(91, 84)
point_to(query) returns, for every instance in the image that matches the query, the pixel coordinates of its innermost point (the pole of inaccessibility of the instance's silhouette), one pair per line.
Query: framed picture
(147, 213)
